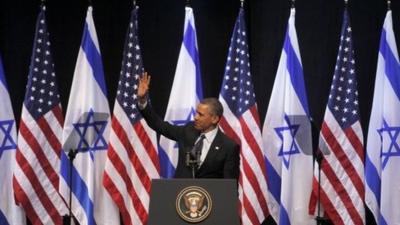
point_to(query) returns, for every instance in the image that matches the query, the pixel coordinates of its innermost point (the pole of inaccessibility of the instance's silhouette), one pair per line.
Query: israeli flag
(382, 163)
(287, 138)
(185, 94)
(10, 213)
(86, 131)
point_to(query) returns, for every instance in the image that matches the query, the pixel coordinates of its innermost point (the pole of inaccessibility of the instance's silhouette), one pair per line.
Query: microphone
(187, 159)
(198, 154)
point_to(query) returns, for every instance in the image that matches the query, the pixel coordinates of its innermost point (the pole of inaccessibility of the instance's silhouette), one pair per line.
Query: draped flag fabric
(241, 122)
(287, 138)
(132, 151)
(36, 177)
(86, 130)
(10, 213)
(185, 94)
(382, 163)
(341, 143)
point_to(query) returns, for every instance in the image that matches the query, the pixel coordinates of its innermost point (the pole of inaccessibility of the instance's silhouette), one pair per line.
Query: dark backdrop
(318, 24)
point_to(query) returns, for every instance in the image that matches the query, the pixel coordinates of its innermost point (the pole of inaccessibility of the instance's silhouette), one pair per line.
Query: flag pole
(71, 155)
(241, 3)
(389, 4)
(292, 3)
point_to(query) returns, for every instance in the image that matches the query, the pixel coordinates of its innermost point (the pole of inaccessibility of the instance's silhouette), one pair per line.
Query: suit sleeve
(231, 167)
(160, 126)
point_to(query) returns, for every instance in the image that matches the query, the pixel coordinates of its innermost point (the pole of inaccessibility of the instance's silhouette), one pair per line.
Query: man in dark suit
(218, 154)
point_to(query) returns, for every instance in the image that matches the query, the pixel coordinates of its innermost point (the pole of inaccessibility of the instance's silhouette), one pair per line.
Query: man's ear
(216, 119)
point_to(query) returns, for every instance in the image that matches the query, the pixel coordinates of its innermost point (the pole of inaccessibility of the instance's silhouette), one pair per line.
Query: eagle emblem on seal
(193, 204)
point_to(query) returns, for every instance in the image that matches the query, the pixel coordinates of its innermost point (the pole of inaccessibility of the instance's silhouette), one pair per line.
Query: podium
(194, 201)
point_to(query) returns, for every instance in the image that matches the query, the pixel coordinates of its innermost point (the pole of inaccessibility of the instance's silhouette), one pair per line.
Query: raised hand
(144, 85)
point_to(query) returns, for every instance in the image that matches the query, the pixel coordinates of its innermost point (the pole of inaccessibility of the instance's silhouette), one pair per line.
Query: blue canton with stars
(92, 129)
(287, 150)
(343, 97)
(42, 92)
(7, 142)
(393, 149)
(131, 70)
(237, 87)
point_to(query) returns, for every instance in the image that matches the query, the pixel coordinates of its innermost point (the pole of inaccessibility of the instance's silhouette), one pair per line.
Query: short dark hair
(215, 106)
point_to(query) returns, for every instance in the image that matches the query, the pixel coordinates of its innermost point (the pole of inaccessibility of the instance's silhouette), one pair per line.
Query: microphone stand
(318, 158)
(71, 155)
(193, 163)
(320, 219)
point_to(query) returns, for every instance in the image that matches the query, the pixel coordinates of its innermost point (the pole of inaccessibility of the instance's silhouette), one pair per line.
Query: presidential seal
(193, 204)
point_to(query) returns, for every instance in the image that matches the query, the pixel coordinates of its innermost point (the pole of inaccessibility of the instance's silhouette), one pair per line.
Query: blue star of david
(189, 117)
(292, 148)
(8, 142)
(393, 149)
(91, 125)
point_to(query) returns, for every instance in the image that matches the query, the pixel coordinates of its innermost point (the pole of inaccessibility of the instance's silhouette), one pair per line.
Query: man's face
(204, 120)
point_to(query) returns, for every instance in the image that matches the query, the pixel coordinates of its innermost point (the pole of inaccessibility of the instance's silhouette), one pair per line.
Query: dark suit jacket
(222, 160)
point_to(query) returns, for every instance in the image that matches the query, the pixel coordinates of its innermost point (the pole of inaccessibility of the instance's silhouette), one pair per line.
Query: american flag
(341, 142)
(36, 177)
(241, 122)
(132, 154)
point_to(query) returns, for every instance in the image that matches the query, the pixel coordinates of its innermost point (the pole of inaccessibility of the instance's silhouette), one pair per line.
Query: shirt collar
(210, 135)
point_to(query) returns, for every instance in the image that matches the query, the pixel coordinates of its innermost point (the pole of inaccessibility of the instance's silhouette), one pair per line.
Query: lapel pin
(216, 147)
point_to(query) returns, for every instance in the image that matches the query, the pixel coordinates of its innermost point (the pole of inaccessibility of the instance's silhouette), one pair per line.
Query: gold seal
(193, 204)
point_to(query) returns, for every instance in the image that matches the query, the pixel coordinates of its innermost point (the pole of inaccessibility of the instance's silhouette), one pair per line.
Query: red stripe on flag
(58, 115)
(30, 139)
(329, 207)
(247, 169)
(355, 142)
(229, 130)
(23, 199)
(312, 205)
(252, 178)
(255, 148)
(340, 154)
(50, 136)
(123, 137)
(145, 140)
(117, 197)
(120, 167)
(37, 188)
(250, 210)
(254, 113)
(341, 192)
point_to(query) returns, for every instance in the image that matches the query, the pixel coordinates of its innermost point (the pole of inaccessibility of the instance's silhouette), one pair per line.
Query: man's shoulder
(226, 139)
